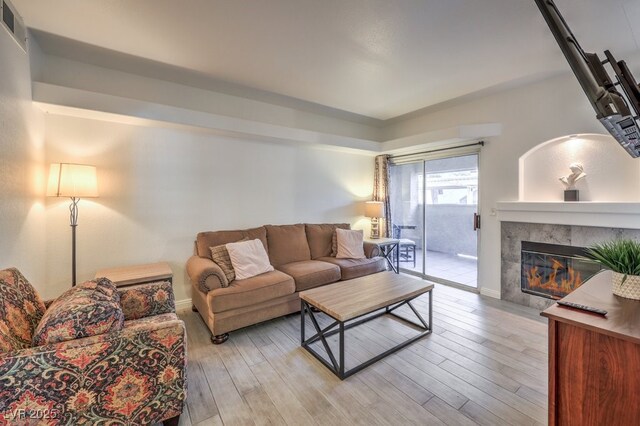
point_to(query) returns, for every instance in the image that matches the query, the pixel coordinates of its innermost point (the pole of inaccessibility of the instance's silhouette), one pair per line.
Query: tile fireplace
(553, 270)
(557, 268)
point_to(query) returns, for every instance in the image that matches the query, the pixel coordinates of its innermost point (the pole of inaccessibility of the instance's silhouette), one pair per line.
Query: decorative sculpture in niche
(569, 181)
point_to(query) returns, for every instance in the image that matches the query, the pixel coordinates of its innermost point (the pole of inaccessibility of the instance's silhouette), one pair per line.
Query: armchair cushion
(21, 309)
(132, 376)
(89, 309)
(147, 300)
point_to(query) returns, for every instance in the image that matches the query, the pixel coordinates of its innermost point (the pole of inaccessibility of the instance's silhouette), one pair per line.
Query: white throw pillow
(249, 258)
(350, 244)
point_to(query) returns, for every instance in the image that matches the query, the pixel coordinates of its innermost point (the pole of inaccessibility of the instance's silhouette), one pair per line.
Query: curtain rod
(481, 143)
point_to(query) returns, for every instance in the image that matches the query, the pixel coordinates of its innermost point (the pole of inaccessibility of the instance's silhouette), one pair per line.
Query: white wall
(611, 174)
(160, 187)
(530, 115)
(22, 225)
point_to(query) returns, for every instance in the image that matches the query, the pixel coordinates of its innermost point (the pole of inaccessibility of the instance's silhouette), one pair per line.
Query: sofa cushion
(350, 244)
(354, 268)
(204, 240)
(21, 309)
(320, 236)
(287, 243)
(311, 273)
(251, 291)
(249, 259)
(89, 309)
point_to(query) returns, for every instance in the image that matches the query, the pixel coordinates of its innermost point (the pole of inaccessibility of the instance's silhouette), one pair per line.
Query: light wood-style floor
(485, 363)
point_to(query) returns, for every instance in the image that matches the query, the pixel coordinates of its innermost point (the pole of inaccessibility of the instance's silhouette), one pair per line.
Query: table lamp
(374, 210)
(74, 181)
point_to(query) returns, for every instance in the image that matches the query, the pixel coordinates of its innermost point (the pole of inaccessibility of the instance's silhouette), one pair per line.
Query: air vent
(13, 23)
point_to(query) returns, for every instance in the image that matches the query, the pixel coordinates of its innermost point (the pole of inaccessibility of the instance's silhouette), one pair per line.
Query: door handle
(476, 221)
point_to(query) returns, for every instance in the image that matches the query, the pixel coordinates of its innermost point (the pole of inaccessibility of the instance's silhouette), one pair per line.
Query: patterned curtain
(381, 191)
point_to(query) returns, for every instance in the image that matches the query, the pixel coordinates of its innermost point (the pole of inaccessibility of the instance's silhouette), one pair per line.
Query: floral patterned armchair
(96, 355)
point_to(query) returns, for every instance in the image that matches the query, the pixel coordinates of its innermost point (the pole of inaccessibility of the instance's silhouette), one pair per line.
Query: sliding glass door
(433, 211)
(407, 213)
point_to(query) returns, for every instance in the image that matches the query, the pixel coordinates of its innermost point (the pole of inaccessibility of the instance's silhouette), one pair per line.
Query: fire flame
(568, 280)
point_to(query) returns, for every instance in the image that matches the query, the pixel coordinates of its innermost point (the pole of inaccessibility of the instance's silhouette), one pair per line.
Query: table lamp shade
(72, 180)
(374, 209)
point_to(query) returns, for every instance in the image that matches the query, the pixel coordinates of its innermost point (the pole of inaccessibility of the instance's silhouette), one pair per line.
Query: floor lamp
(74, 181)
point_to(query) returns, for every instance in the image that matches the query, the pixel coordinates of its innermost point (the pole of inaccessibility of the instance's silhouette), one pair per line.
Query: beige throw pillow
(350, 244)
(249, 258)
(334, 241)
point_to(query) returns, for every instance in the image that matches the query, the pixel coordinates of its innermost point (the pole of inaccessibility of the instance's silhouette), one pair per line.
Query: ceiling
(375, 58)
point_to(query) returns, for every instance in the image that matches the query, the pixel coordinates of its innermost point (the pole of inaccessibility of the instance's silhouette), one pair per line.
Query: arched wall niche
(612, 175)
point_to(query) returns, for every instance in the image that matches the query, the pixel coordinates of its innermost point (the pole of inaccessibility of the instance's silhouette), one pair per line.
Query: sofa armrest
(205, 274)
(132, 376)
(371, 250)
(147, 300)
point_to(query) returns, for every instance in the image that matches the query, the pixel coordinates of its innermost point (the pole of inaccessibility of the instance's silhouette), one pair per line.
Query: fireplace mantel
(582, 213)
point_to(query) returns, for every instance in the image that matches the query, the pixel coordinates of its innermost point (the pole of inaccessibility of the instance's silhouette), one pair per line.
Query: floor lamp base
(73, 221)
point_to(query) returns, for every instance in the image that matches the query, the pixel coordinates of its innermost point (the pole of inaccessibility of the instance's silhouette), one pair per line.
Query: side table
(387, 247)
(138, 274)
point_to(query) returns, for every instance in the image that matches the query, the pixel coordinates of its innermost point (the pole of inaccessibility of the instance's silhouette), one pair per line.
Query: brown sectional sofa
(301, 256)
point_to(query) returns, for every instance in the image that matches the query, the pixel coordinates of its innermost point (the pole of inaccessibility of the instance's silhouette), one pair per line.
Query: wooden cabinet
(594, 361)
(138, 274)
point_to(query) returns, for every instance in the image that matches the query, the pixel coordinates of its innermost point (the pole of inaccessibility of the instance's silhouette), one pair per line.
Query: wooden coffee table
(350, 302)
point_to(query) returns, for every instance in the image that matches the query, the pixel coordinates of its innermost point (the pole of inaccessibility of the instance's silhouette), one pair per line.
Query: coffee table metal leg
(341, 350)
(397, 249)
(431, 310)
(420, 316)
(302, 322)
(338, 368)
(388, 253)
(324, 341)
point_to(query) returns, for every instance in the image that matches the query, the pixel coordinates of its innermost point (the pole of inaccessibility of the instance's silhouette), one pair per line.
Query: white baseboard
(490, 293)
(183, 304)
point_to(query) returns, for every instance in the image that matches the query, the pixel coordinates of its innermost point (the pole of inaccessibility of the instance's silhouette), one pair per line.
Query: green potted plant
(623, 258)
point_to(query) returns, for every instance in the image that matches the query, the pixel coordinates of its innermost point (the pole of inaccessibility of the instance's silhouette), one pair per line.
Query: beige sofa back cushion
(287, 243)
(319, 237)
(205, 240)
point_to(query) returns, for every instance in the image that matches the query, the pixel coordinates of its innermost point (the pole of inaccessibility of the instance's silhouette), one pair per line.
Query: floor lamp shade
(74, 181)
